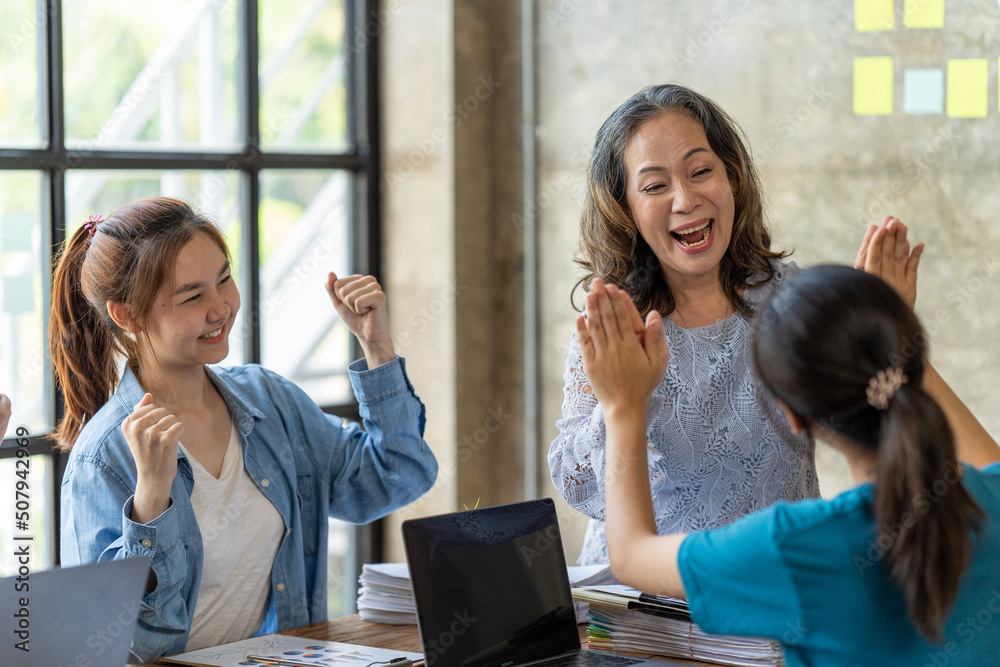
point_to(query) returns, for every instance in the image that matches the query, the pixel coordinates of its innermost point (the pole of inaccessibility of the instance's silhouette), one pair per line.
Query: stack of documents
(623, 619)
(386, 597)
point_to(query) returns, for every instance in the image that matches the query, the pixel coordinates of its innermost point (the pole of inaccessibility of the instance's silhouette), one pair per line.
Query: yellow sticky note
(871, 15)
(873, 86)
(968, 88)
(923, 13)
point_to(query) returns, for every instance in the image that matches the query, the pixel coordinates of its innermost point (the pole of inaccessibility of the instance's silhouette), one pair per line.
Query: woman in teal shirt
(902, 569)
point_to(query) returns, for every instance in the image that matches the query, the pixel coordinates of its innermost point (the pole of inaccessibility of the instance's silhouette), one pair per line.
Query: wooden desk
(353, 630)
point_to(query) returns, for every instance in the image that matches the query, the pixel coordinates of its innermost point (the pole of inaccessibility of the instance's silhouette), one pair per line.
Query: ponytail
(81, 345)
(921, 508)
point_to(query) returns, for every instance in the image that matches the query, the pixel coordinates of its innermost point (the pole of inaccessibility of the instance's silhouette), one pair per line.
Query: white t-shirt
(241, 532)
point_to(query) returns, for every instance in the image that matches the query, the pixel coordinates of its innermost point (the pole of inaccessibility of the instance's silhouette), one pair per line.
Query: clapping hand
(624, 363)
(4, 415)
(153, 435)
(360, 302)
(885, 253)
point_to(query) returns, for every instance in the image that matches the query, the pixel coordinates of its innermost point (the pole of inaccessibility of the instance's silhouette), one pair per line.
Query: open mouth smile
(213, 336)
(694, 237)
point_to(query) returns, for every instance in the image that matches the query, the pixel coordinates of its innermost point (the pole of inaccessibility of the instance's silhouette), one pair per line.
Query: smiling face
(193, 314)
(679, 195)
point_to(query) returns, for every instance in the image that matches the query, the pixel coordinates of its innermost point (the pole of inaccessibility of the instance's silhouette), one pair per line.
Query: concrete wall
(418, 149)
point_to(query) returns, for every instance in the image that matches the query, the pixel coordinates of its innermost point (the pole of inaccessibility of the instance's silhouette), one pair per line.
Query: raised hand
(4, 415)
(153, 435)
(885, 252)
(360, 302)
(622, 368)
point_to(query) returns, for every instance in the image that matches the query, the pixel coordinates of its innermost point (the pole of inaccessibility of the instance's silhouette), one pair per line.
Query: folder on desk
(625, 619)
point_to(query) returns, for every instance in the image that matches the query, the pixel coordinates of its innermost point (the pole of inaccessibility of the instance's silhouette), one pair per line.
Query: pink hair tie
(91, 224)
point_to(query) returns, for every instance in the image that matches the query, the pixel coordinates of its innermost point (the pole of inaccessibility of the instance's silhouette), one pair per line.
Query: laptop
(72, 616)
(491, 590)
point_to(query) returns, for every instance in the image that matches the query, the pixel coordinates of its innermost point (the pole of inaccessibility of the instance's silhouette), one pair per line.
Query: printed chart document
(285, 647)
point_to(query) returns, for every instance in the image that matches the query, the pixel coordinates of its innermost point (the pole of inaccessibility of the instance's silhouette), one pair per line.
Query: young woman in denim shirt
(225, 477)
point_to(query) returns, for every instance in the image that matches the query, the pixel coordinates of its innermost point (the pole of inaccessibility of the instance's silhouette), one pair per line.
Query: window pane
(303, 236)
(36, 510)
(214, 194)
(341, 588)
(159, 74)
(23, 369)
(303, 95)
(20, 96)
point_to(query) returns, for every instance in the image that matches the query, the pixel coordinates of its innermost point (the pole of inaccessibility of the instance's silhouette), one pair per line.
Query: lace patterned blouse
(718, 446)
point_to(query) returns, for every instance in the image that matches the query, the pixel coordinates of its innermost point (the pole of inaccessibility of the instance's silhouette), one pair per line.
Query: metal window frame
(361, 159)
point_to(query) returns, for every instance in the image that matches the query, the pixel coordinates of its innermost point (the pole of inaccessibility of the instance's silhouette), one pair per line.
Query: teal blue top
(811, 575)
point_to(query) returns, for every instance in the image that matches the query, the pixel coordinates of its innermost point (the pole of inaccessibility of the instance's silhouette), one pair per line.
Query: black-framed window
(260, 113)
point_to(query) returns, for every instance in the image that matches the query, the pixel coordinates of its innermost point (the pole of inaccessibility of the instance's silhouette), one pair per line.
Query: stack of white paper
(623, 619)
(386, 596)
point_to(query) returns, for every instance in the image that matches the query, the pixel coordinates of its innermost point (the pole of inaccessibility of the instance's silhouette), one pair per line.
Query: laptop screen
(490, 586)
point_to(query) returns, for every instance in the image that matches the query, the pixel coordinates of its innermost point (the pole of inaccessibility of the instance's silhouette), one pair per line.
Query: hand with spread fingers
(623, 362)
(885, 252)
(360, 302)
(4, 415)
(152, 434)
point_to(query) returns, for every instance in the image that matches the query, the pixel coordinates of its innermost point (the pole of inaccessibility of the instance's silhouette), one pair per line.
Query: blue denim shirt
(310, 465)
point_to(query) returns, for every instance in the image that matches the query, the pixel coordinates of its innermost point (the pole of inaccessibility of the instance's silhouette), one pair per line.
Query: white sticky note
(923, 91)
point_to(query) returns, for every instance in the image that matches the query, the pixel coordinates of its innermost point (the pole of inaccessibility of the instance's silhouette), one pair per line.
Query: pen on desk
(283, 662)
(264, 660)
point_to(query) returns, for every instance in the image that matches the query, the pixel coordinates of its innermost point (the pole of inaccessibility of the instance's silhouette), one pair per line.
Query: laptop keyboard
(590, 659)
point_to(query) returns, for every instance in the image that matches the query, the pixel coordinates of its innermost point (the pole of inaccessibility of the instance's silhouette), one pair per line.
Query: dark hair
(125, 260)
(610, 244)
(818, 342)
